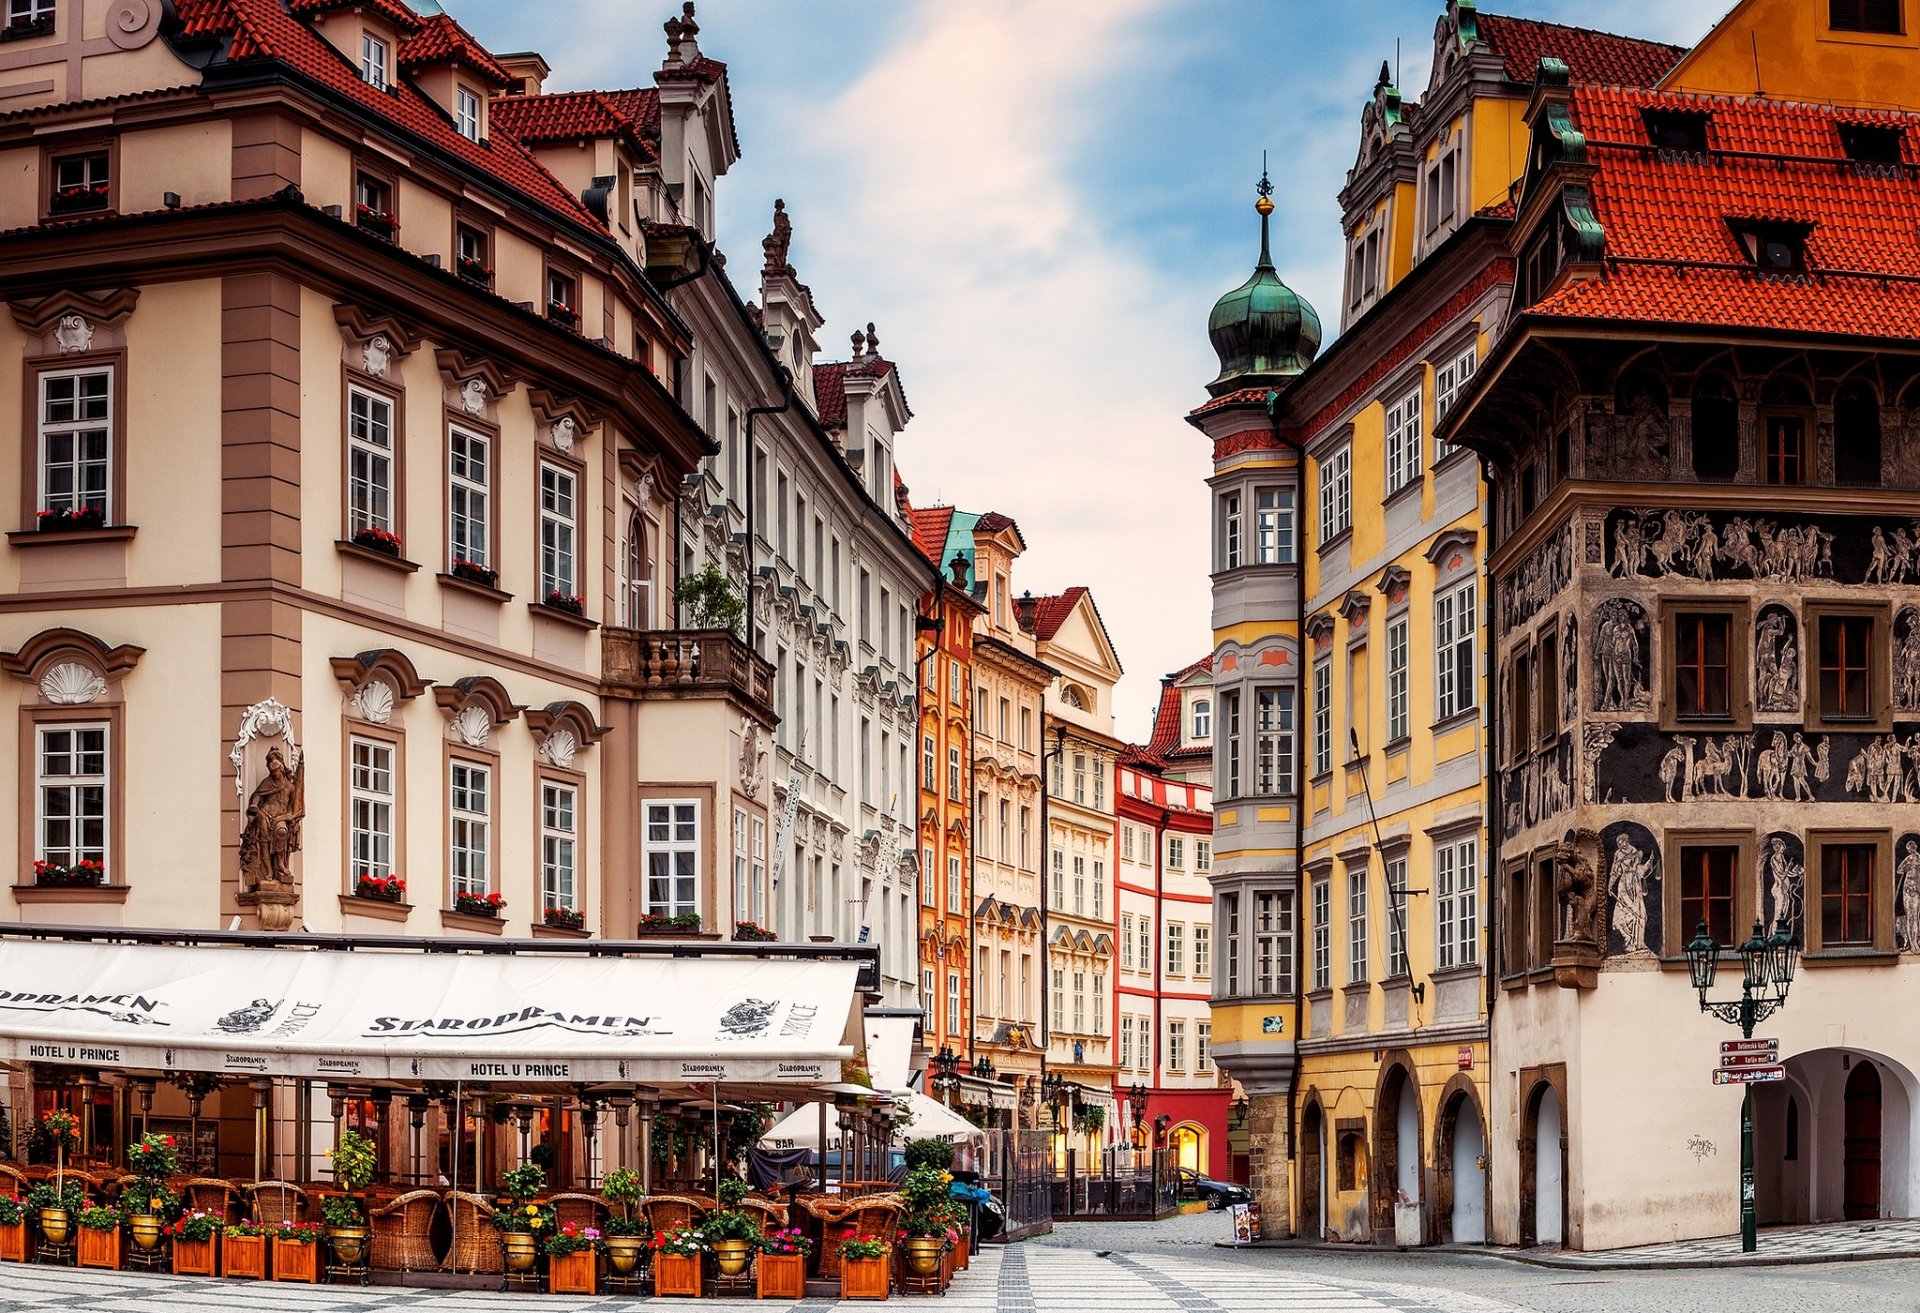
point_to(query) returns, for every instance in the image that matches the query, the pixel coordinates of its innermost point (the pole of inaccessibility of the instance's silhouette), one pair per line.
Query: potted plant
(243, 1251)
(710, 601)
(346, 1228)
(676, 1261)
(928, 1208)
(564, 918)
(75, 875)
(562, 313)
(478, 904)
(99, 1237)
(354, 1161)
(295, 1255)
(522, 1222)
(383, 888)
(378, 540)
(68, 518)
(571, 603)
(750, 932)
(195, 1237)
(80, 196)
(573, 1260)
(863, 1268)
(732, 1233)
(379, 222)
(13, 1230)
(474, 269)
(62, 1130)
(626, 1235)
(661, 923)
(148, 1202)
(53, 1207)
(781, 1272)
(474, 572)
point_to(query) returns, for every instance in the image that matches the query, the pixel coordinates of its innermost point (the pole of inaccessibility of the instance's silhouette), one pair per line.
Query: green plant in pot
(624, 1236)
(355, 1159)
(733, 1232)
(147, 1201)
(53, 1207)
(522, 1223)
(928, 1222)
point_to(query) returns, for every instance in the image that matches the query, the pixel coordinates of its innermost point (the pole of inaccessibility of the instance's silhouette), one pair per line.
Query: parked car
(1216, 1194)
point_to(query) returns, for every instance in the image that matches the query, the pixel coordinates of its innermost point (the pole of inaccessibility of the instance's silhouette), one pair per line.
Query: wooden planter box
(574, 1274)
(864, 1278)
(196, 1258)
(780, 1276)
(962, 1253)
(98, 1248)
(13, 1242)
(676, 1274)
(244, 1256)
(293, 1261)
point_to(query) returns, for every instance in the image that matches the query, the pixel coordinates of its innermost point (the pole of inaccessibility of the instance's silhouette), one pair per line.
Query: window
(953, 774)
(1545, 911)
(1273, 741)
(979, 815)
(1707, 880)
(1126, 1039)
(1681, 132)
(373, 205)
(470, 813)
(1336, 494)
(1846, 895)
(1453, 629)
(1099, 1003)
(1059, 998)
(468, 481)
(1882, 16)
(1203, 1046)
(1449, 381)
(563, 297)
(1080, 778)
(1846, 667)
(373, 60)
(672, 857)
(466, 114)
(1872, 144)
(1230, 531)
(1230, 746)
(1456, 887)
(1230, 917)
(1396, 679)
(927, 978)
(1203, 854)
(72, 794)
(76, 441)
(1026, 728)
(370, 809)
(1322, 717)
(81, 182)
(1856, 435)
(1547, 676)
(1026, 838)
(1396, 917)
(1403, 442)
(1079, 885)
(1006, 827)
(1715, 428)
(559, 830)
(1176, 949)
(1006, 720)
(1702, 685)
(557, 527)
(926, 876)
(1273, 526)
(1099, 785)
(956, 888)
(1356, 926)
(1202, 950)
(1099, 890)
(1202, 718)
(1145, 942)
(1321, 929)
(1273, 943)
(1785, 455)
(1516, 913)
(1521, 704)
(1176, 852)
(1176, 1046)
(953, 1002)
(25, 13)
(1126, 941)
(1059, 880)
(1126, 843)
(470, 256)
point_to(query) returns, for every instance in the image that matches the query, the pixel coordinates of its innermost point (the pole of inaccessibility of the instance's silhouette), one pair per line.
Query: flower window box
(474, 573)
(659, 923)
(564, 918)
(478, 904)
(243, 1255)
(563, 314)
(570, 603)
(382, 888)
(23, 27)
(749, 932)
(79, 199)
(380, 223)
(474, 270)
(87, 874)
(68, 519)
(378, 540)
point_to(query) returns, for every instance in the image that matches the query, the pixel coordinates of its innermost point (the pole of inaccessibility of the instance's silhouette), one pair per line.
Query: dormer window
(1775, 248)
(1678, 133)
(375, 60)
(466, 113)
(1440, 190)
(1874, 146)
(1882, 16)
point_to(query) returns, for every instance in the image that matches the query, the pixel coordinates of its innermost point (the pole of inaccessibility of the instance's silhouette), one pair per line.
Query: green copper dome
(1263, 331)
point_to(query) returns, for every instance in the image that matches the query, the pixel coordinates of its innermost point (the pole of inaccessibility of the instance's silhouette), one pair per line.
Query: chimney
(527, 70)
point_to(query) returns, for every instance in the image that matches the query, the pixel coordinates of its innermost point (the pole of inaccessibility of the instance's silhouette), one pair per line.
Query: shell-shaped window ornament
(473, 726)
(560, 748)
(373, 701)
(72, 684)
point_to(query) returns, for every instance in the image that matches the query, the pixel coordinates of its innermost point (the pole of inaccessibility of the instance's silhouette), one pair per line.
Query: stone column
(1269, 1147)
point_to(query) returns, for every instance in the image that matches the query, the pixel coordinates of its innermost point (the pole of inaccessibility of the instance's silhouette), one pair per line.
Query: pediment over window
(475, 707)
(373, 338)
(563, 729)
(1353, 607)
(71, 667)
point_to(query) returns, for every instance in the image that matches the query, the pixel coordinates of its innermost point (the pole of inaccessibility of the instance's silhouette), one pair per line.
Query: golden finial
(1265, 203)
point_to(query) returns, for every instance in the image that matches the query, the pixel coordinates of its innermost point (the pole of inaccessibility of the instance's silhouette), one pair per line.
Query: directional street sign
(1751, 1076)
(1749, 1046)
(1737, 1061)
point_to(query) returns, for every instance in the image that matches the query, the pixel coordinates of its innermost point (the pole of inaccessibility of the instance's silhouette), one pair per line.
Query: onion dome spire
(1263, 331)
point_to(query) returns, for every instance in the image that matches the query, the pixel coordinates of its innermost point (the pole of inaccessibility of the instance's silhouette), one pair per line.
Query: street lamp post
(1768, 965)
(946, 1073)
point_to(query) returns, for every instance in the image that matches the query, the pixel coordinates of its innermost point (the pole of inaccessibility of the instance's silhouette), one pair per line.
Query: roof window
(1864, 16)
(1871, 143)
(1775, 248)
(1678, 132)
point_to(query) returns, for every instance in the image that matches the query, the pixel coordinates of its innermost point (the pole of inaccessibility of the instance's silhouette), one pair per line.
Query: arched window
(1070, 695)
(1203, 718)
(633, 575)
(1856, 434)
(1716, 430)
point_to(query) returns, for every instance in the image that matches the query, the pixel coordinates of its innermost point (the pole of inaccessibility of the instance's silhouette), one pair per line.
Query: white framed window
(1273, 943)
(953, 774)
(953, 1002)
(1357, 966)
(1126, 1040)
(369, 809)
(1099, 1002)
(927, 760)
(70, 790)
(635, 583)
(1176, 948)
(375, 59)
(1006, 829)
(1322, 717)
(927, 876)
(1203, 1046)
(671, 853)
(1059, 998)
(1080, 778)
(928, 995)
(76, 441)
(1059, 880)
(1176, 1052)
(1079, 1002)
(1396, 917)
(956, 887)
(369, 462)
(1449, 381)
(469, 497)
(1099, 785)
(1144, 941)
(29, 11)
(1079, 885)
(1456, 888)
(1273, 526)
(1230, 919)
(1336, 493)
(1229, 750)
(1273, 741)
(1321, 930)
(1126, 843)
(956, 683)
(1396, 679)
(1230, 531)
(1126, 941)
(470, 828)
(1099, 890)
(1203, 854)
(466, 115)
(558, 530)
(742, 890)
(1455, 679)
(1026, 838)
(1176, 852)
(1403, 442)
(559, 846)
(1202, 725)
(1202, 950)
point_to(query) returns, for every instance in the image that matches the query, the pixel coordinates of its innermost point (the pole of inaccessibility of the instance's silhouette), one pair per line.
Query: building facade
(1697, 431)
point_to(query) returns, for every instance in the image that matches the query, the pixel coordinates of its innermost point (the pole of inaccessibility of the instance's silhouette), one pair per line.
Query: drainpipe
(753, 483)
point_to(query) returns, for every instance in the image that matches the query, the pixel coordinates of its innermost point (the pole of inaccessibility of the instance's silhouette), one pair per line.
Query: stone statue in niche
(1906, 660)
(377, 355)
(1630, 870)
(1783, 874)
(275, 811)
(73, 334)
(753, 757)
(1776, 662)
(1570, 671)
(1620, 657)
(1578, 886)
(1906, 870)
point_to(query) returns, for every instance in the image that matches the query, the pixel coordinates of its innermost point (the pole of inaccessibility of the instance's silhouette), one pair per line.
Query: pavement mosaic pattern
(1796, 1244)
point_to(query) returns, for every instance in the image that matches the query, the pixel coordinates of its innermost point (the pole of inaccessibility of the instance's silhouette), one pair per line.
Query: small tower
(1264, 332)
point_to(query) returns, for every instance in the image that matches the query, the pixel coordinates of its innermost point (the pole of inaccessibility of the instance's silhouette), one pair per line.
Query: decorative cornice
(460, 366)
(1353, 607)
(1456, 539)
(354, 671)
(107, 309)
(357, 324)
(43, 647)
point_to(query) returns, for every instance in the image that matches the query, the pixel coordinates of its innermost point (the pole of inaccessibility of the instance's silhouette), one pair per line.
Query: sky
(1037, 202)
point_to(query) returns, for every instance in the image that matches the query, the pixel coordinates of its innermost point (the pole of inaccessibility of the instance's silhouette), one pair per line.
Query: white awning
(410, 1015)
(800, 1129)
(987, 1093)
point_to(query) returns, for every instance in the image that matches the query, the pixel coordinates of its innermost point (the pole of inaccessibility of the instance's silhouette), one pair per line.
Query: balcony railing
(684, 663)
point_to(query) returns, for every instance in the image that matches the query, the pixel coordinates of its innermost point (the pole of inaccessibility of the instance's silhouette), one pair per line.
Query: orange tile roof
(442, 40)
(1596, 57)
(1049, 613)
(930, 525)
(1165, 738)
(572, 115)
(1672, 257)
(830, 386)
(394, 11)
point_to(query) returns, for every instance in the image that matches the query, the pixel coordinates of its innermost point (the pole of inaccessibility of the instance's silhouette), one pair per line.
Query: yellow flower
(533, 1210)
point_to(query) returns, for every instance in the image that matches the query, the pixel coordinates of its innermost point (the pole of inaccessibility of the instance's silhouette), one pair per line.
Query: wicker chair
(665, 1210)
(111, 1187)
(580, 1209)
(275, 1202)
(772, 1216)
(13, 1181)
(208, 1194)
(476, 1245)
(403, 1232)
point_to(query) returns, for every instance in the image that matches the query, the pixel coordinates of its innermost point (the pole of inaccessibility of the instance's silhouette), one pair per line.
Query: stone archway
(1460, 1200)
(1398, 1169)
(1543, 1160)
(1835, 1140)
(1313, 1170)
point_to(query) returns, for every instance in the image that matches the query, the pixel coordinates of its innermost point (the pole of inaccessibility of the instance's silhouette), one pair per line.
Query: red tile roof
(1595, 57)
(394, 11)
(440, 40)
(570, 116)
(930, 525)
(1165, 739)
(265, 30)
(1049, 613)
(1672, 257)
(830, 386)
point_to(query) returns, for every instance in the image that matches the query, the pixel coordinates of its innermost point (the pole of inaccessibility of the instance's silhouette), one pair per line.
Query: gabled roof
(1594, 57)
(1165, 739)
(930, 525)
(568, 116)
(1671, 252)
(1049, 613)
(394, 11)
(442, 40)
(830, 386)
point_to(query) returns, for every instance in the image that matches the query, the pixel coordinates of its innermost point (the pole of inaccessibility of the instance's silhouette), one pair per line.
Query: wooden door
(1861, 1159)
